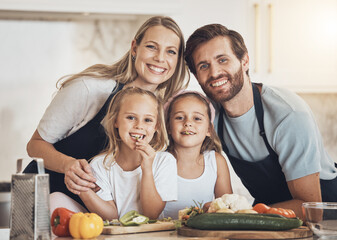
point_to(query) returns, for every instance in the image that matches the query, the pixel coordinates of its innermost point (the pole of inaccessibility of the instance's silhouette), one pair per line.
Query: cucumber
(242, 221)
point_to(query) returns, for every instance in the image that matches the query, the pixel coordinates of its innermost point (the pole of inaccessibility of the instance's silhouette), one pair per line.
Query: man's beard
(219, 96)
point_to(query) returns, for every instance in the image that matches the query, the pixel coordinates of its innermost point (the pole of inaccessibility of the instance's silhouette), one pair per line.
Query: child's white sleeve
(102, 176)
(165, 176)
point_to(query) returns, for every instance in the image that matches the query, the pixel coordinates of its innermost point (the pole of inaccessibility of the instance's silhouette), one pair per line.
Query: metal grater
(30, 216)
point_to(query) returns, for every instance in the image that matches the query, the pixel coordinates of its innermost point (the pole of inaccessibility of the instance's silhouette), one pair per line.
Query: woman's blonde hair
(211, 142)
(159, 140)
(123, 71)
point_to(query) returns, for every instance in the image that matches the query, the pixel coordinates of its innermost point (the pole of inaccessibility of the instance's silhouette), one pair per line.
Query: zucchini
(242, 221)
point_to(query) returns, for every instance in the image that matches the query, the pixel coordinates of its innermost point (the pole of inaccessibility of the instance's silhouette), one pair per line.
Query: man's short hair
(208, 32)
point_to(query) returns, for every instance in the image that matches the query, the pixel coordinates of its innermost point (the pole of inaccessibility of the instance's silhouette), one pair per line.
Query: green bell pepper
(133, 218)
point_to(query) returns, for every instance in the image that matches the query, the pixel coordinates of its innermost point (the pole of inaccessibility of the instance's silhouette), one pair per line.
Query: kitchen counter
(171, 235)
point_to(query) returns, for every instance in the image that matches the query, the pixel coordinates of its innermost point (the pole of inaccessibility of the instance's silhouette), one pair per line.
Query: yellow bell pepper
(85, 225)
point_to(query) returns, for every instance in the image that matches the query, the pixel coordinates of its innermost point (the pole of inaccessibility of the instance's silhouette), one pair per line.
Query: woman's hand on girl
(78, 176)
(147, 154)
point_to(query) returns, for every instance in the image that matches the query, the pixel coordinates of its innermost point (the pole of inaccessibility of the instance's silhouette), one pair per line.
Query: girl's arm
(150, 199)
(78, 175)
(106, 209)
(223, 183)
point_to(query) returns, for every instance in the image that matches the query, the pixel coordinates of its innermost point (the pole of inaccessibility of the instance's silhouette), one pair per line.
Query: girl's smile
(189, 122)
(136, 120)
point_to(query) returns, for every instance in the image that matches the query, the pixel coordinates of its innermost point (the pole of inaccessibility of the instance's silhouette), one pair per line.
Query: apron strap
(259, 115)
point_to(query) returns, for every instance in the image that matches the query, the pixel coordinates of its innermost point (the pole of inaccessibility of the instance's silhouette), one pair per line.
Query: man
(268, 133)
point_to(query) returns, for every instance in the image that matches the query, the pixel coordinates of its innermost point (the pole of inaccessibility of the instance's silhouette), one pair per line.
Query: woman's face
(156, 57)
(189, 122)
(137, 119)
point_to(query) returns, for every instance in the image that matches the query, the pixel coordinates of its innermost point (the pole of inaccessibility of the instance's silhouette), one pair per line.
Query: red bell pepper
(60, 222)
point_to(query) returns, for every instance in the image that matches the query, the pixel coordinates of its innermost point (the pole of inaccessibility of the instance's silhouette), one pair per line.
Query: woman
(70, 132)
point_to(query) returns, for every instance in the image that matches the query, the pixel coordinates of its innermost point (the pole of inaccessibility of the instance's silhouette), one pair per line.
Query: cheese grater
(30, 216)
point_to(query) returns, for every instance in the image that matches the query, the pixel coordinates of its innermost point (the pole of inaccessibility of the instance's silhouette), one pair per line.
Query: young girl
(130, 173)
(203, 173)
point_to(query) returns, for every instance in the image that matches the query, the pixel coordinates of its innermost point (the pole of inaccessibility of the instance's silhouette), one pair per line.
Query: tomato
(283, 212)
(274, 211)
(261, 208)
(291, 213)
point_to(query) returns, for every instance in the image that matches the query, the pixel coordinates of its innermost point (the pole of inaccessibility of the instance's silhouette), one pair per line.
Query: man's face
(219, 72)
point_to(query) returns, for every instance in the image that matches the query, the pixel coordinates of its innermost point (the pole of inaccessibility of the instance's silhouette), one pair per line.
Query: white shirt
(74, 106)
(124, 186)
(200, 190)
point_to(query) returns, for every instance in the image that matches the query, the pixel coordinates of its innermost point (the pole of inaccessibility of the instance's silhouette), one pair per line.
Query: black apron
(264, 179)
(85, 143)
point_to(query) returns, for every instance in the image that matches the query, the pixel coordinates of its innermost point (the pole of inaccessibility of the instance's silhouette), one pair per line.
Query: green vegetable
(133, 218)
(242, 221)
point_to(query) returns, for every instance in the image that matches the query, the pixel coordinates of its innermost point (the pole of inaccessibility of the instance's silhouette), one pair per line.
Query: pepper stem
(56, 221)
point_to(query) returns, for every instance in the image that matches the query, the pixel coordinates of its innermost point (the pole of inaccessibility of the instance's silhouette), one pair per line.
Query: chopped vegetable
(60, 221)
(133, 218)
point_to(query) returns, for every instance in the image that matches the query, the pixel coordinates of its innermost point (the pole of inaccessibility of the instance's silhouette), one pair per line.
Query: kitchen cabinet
(294, 44)
(84, 9)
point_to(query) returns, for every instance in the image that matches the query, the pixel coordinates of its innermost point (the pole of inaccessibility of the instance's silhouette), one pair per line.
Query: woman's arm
(78, 175)
(106, 209)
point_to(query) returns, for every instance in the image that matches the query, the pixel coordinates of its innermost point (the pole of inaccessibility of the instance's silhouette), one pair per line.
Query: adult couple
(269, 134)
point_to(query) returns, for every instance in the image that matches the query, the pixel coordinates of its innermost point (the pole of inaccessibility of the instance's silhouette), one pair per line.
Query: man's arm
(304, 189)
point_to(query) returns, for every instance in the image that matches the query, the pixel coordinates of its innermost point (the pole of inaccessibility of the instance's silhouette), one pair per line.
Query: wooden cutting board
(301, 232)
(153, 227)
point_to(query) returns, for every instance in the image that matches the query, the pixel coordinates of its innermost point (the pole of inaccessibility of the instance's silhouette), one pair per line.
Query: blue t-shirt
(291, 131)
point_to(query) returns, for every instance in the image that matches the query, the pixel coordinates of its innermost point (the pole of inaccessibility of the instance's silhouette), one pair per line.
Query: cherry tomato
(291, 213)
(274, 211)
(283, 212)
(261, 208)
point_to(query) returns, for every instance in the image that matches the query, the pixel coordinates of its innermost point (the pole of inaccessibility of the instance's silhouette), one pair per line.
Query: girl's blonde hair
(209, 143)
(123, 71)
(159, 140)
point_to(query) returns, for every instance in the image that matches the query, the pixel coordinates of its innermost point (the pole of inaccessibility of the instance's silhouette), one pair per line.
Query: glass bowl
(321, 218)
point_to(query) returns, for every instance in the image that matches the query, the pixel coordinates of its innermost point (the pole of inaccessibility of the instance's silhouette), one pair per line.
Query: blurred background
(291, 43)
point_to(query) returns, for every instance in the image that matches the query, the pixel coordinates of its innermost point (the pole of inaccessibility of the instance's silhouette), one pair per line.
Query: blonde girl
(131, 173)
(203, 173)
(70, 132)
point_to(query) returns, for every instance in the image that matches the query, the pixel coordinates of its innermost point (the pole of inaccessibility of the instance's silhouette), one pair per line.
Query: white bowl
(321, 218)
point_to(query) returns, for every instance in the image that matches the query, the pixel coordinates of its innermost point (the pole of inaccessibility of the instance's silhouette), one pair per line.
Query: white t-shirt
(200, 190)
(74, 106)
(124, 186)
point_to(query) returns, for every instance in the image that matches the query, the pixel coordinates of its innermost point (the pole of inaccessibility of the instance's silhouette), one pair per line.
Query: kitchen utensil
(30, 216)
(321, 217)
(152, 227)
(301, 232)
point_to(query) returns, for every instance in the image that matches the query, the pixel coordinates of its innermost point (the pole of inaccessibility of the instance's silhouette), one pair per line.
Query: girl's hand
(78, 176)
(147, 154)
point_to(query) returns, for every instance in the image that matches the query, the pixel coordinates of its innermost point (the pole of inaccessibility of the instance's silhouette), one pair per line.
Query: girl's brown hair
(210, 142)
(123, 71)
(159, 140)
